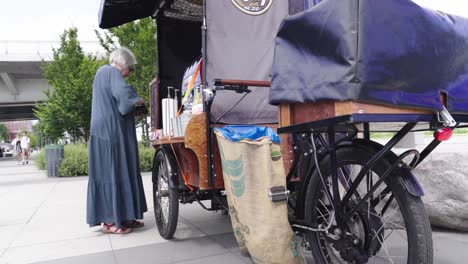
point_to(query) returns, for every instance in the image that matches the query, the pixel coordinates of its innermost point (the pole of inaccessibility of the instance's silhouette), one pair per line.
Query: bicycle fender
(403, 174)
(172, 166)
(407, 179)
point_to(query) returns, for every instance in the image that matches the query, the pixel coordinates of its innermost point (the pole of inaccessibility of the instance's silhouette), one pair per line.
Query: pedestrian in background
(115, 190)
(25, 142)
(16, 142)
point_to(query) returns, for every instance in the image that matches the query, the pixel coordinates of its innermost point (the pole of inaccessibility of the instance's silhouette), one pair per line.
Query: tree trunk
(73, 136)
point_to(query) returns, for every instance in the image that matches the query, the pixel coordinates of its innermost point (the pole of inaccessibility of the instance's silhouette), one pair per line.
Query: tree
(38, 129)
(3, 133)
(71, 74)
(32, 141)
(140, 37)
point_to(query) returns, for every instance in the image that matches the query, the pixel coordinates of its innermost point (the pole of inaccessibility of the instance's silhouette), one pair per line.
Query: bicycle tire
(166, 226)
(418, 230)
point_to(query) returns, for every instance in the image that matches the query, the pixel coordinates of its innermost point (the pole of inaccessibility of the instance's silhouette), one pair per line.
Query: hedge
(40, 159)
(75, 162)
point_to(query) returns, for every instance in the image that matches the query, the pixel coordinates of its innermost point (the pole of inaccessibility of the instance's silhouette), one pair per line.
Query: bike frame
(335, 125)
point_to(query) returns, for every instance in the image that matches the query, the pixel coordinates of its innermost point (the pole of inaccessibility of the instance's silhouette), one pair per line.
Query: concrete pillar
(411, 140)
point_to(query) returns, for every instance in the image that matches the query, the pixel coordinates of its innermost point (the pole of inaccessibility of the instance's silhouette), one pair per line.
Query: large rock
(444, 178)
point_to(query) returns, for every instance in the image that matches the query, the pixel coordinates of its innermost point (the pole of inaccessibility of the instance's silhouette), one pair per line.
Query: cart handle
(246, 83)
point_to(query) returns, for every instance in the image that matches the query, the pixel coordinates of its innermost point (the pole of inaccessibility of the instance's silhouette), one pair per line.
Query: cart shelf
(168, 140)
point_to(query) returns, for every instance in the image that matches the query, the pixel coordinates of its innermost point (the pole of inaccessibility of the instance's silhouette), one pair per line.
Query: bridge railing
(13, 50)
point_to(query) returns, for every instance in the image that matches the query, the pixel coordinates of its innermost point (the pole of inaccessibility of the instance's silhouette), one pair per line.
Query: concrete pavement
(43, 220)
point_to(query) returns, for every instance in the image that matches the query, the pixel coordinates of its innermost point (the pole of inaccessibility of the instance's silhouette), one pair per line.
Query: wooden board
(286, 152)
(291, 114)
(195, 139)
(167, 140)
(189, 164)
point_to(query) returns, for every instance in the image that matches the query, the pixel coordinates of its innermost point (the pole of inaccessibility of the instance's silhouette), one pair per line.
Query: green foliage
(456, 131)
(71, 74)
(39, 132)
(40, 160)
(140, 37)
(381, 135)
(75, 161)
(146, 158)
(32, 141)
(460, 131)
(3, 132)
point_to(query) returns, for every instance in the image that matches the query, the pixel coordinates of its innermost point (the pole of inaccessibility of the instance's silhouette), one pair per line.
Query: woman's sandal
(133, 224)
(112, 229)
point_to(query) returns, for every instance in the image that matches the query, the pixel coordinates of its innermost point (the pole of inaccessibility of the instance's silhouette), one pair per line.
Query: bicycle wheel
(165, 199)
(393, 227)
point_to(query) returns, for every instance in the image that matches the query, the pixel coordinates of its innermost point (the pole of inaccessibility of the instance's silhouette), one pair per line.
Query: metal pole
(207, 106)
(203, 32)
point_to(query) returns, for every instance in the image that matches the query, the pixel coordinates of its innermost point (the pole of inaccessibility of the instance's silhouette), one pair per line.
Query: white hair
(122, 57)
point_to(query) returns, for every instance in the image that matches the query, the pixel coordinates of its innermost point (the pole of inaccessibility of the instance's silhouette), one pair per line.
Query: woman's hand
(140, 108)
(141, 102)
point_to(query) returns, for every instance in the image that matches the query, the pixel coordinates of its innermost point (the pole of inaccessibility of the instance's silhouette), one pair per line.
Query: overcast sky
(46, 19)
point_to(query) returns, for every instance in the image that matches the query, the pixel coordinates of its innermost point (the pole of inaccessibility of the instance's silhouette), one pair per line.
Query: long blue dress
(115, 188)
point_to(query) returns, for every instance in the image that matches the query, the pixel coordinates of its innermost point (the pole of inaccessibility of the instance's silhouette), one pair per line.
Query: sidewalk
(43, 219)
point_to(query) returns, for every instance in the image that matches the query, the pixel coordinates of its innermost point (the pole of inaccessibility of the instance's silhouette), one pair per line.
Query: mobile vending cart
(339, 71)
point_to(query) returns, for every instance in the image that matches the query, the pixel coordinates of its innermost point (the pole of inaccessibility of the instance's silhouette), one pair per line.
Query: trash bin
(54, 154)
(255, 184)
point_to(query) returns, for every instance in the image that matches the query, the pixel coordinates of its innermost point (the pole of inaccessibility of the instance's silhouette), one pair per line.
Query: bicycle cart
(350, 199)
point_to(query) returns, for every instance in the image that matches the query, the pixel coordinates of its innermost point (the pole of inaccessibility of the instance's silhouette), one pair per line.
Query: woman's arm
(124, 94)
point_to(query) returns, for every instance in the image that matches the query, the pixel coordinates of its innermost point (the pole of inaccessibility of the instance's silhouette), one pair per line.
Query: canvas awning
(113, 13)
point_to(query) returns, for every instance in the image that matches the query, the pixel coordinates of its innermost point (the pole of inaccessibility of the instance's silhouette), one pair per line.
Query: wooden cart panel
(291, 114)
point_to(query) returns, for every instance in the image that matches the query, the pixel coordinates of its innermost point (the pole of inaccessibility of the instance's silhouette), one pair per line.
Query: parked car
(6, 150)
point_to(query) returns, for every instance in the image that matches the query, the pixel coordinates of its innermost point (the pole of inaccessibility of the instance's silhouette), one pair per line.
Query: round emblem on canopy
(252, 7)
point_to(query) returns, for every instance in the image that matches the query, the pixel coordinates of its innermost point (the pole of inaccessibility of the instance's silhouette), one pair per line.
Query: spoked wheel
(165, 199)
(392, 227)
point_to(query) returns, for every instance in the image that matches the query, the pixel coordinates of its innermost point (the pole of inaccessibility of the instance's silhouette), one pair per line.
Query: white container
(165, 117)
(169, 110)
(184, 120)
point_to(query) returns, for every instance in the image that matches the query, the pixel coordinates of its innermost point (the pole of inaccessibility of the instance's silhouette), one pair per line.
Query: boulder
(444, 178)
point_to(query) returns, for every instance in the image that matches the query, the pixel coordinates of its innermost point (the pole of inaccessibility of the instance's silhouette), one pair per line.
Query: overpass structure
(22, 83)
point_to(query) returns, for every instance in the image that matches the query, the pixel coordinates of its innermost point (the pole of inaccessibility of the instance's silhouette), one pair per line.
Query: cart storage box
(372, 51)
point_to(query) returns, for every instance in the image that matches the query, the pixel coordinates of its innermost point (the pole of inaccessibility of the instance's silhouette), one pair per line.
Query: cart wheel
(393, 227)
(165, 198)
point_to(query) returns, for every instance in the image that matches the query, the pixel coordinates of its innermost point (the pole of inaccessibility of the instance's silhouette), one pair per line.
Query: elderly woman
(115, 190)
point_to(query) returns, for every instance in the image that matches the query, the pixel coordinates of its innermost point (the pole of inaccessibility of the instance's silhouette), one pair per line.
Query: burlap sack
(261, 227)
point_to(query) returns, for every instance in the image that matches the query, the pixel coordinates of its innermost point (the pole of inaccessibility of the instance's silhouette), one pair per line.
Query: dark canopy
(388, 52)
(114, 13)
(117, 12)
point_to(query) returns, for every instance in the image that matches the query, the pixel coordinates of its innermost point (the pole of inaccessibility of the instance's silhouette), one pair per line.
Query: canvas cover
(390, 52)
(114, 13)
(296, 6)
(240, 46)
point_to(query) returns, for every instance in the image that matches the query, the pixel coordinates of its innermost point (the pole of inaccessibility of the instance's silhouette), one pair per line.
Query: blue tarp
(238, 132)
(391, 52)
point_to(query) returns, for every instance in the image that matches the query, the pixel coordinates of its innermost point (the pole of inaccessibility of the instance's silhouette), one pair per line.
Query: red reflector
(443, 134)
